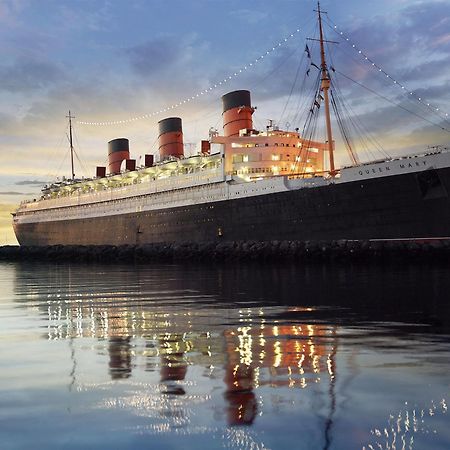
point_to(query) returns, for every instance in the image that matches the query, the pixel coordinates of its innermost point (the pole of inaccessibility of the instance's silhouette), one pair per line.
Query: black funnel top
(235, 99)
(169, 125)
(118, 145)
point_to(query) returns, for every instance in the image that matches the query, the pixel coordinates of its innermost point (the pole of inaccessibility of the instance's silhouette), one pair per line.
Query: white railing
(146, 187)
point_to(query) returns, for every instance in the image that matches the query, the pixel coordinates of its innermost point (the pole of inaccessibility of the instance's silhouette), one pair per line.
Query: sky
(109, 61)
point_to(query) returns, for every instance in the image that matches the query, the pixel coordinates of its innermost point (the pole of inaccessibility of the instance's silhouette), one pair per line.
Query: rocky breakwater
(434, 249)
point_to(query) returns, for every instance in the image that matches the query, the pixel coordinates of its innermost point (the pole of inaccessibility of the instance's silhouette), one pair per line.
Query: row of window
(257, 170)
(267, 145)
(257, 157)
(108, 205)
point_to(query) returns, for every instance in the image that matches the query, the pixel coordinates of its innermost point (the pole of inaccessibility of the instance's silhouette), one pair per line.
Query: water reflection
(119, 357)
(402, 429)
(251, 352)
(228, 351)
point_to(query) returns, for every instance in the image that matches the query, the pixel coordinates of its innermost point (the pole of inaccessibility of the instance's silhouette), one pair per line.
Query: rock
(223, 251)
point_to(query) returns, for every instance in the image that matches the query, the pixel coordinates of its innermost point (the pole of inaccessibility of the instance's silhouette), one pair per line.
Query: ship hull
(406, 206)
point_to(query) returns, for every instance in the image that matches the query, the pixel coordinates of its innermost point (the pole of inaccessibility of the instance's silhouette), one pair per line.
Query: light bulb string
(434, 109)
(198, 95)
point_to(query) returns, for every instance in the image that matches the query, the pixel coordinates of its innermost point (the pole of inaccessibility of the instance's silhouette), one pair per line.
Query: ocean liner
(245, 184)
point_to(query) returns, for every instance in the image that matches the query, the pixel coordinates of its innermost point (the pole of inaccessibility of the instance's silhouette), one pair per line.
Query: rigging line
(308, 130)
(262, 80)
(393, 103)
(292, 87)
(344, 130)
(301, 109)
(311, 114)
(366, 138)
(295, 82)
(361, 136)
(312, 134)
(435, 110)
(60, 166)
(277, 68)
(83, 167)
(338, 105)
(57, 150)
(357, 123)
(196, 96)
(407, 97)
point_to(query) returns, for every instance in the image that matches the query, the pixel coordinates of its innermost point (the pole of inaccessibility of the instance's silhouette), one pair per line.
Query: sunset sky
(114, 60)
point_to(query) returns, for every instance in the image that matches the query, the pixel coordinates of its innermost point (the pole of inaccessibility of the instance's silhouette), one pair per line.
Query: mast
(325, 85)
(70, 117)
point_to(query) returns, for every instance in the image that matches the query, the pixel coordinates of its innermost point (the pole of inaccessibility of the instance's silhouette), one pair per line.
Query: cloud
(429, 22)
(9, 9)
(15, 193)
(6, 230)
(5, 212)
(30, 183)
(114, 76)
(27, 75)
(426, 70)
(400, 41)
(154, 56)
(97, 19)
(250, 16)
(7, 121)
(7, 207)
(170, 62)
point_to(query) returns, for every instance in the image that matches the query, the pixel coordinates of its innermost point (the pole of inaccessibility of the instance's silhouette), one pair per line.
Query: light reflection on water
(237, 357)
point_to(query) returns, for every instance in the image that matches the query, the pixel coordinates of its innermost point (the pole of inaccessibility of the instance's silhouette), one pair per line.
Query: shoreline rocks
(342, 250)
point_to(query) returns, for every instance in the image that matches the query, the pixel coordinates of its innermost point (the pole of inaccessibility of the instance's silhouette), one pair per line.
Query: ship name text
(382, 169)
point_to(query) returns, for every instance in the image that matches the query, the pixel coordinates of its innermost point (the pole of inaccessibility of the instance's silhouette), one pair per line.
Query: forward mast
(70, 117)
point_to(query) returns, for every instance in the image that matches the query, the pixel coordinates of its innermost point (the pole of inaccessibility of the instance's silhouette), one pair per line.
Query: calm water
(242, 357)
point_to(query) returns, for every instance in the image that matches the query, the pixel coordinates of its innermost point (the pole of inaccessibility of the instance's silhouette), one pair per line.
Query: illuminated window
(275, 157)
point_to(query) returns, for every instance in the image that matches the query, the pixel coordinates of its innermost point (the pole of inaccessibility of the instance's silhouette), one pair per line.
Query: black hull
(407, 206)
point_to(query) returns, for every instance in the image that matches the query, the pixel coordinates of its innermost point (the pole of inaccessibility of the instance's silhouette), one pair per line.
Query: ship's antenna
(70, 117)
(325, 86)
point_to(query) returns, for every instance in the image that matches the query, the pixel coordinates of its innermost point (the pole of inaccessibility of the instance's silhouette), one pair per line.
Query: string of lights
(199, 94)
(411, 93)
